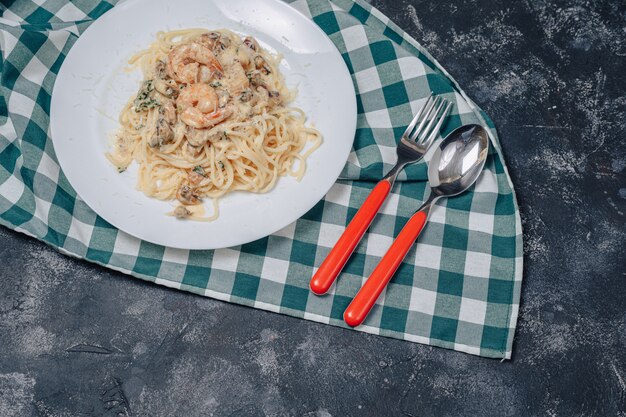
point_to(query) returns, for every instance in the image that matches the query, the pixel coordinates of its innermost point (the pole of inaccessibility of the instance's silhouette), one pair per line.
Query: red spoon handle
(338, 256)
(364, 300)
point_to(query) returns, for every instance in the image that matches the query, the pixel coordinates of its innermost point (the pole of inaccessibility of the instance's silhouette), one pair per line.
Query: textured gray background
(80, 340)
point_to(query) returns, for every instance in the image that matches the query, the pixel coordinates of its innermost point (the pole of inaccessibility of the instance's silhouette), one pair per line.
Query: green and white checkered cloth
(458, 288)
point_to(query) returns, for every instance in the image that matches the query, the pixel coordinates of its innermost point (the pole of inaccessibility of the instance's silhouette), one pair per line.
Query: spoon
(454, 167)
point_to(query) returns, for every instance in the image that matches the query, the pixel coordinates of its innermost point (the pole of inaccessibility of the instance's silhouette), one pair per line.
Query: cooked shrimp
(201, 96)
(193, 117)
(186, 60)
(199, 106)
(205, 74)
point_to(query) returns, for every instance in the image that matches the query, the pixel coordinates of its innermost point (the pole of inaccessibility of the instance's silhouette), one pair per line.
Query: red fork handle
(340, 253)
(365, 299)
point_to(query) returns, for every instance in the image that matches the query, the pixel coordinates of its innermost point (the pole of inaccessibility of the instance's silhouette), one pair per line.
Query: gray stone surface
(80, 340)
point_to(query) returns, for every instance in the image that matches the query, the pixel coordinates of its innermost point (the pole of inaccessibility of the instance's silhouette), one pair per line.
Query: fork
(413, 145)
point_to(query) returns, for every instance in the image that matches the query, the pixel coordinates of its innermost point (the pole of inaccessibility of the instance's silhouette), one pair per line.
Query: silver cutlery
(413, 145)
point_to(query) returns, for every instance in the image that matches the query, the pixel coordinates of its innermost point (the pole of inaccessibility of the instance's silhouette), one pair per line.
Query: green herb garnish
(145, 100)
(199, 170)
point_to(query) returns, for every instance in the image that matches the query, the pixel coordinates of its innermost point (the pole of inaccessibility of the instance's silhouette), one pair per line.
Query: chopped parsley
(199, 170)
(145, 100)
(221, 164)
(121, 169)
(215, 84)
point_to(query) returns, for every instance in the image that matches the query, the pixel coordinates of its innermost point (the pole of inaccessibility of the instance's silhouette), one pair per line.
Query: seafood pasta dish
(210, 117)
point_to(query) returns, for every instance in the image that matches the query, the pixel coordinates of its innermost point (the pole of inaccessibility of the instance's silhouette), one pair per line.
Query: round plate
(92, 88)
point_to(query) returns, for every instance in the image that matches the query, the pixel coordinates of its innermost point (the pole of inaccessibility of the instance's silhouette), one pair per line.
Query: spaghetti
(210, 117)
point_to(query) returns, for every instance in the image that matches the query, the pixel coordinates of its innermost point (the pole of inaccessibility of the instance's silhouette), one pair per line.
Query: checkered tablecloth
(458, 288)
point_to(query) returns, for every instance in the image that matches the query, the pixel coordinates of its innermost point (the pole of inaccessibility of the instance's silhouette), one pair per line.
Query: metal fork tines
(421, 133)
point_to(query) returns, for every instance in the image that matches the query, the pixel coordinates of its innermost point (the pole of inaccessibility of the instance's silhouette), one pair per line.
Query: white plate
(92, 88)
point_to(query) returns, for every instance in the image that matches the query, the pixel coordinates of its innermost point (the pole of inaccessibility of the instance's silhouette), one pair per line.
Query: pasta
(210, 117)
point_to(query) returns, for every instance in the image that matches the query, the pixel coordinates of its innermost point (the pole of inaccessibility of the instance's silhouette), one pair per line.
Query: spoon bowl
(458, 161)
(455, 165)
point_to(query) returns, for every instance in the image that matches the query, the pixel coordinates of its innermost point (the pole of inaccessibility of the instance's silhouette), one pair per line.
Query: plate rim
(56, 110)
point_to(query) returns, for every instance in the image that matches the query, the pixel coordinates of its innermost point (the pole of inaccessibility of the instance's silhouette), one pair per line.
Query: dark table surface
(80, 340)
